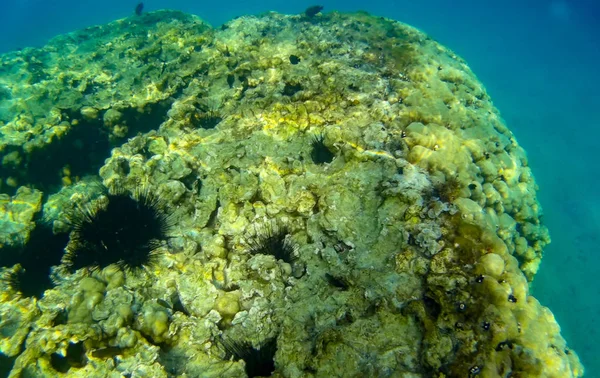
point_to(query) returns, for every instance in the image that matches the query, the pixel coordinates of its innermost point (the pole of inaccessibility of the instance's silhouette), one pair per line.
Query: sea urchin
(320, 153)
(258, 362)
(269, 239)
(127, 231)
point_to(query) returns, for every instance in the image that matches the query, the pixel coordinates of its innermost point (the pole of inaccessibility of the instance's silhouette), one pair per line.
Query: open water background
(540, 62)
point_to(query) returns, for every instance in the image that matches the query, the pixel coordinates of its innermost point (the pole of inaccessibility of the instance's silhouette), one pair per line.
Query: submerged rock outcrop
(348, 200)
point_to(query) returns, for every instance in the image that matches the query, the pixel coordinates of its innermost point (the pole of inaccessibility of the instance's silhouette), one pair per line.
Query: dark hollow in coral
(192, 181)
(75, 358)
(259, 362)
(6, 364)
(61, 317)
(230, 80)
(83, 148)
(43, 166)
(337, 281)
(272, 240)
(178, 306)
(43, 250)
(123, 167)
(127, 231)
(212, 218)
(208, 120)
(503, 345)
(108, 352)
(432, 307)
(9, 254)
(320, 153)
(173, 360)
(28, 284)
(291, 89)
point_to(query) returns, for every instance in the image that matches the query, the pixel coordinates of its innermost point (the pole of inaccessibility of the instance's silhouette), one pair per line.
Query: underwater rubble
(323, 194)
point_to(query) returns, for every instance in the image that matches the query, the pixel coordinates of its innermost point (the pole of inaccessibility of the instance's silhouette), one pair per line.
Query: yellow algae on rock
(16, 214)
(405, 225)
(90, 113)
(227, 305)
(492, 264)
(154, 322)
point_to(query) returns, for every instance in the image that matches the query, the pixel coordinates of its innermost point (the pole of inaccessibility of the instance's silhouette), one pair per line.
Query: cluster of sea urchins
(125, 230)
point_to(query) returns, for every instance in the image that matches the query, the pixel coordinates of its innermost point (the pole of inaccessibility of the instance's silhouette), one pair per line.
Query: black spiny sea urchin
(320, 153)
(269, 239)
(259, 362)
(127, 231)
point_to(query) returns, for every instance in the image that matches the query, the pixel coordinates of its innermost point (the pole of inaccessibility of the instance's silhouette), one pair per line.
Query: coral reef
(409, 229)
(17, 214)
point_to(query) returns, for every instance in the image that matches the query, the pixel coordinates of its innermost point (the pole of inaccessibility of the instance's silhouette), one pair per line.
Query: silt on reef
(410, 230)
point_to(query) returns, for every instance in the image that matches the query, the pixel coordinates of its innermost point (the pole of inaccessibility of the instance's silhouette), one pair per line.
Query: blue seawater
(539, 60)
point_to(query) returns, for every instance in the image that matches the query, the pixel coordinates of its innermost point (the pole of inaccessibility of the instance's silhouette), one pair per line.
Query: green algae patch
(410, 247)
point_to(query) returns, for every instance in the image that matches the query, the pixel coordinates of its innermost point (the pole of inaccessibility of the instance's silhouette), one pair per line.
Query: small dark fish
(310, 12)
(139, 9)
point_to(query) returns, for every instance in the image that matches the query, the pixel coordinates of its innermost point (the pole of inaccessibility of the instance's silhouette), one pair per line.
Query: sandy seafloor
(539, 63)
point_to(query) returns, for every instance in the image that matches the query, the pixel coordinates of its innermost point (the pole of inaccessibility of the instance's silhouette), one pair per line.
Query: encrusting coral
(409, 227)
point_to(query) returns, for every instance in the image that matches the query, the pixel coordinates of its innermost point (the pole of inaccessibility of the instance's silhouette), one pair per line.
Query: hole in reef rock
(432, 307)
(6, 364)
(291, 89)
(80, 152)
(173, 360)
(75, 358)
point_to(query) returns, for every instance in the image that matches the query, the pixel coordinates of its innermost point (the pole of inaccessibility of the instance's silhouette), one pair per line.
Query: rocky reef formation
(348, 203)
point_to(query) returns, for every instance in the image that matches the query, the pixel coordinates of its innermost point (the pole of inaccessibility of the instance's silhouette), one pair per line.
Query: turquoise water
(539, 64)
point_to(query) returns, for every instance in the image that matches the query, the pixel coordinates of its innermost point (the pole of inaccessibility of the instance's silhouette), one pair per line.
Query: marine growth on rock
(409, 229)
